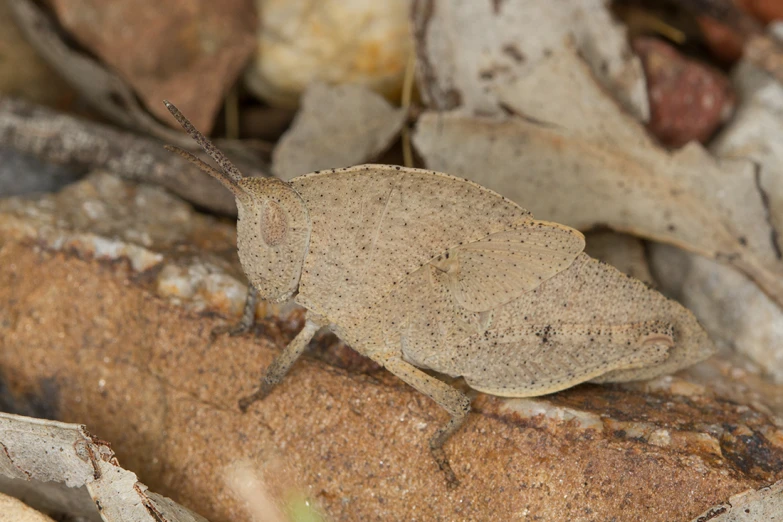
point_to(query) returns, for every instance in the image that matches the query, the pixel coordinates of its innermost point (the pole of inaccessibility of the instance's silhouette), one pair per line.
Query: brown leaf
(459, 67)
(189, 52)
(101, 88)
(336, 127)
(23, 73)
(571, 156)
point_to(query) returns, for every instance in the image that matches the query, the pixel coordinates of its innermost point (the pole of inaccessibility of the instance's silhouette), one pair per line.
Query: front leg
(282, 363)
(450, 399)
(248, 316)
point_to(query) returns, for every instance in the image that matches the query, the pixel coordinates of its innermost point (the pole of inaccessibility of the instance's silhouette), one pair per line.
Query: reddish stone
(688, 99)
(724, 42)
(763, 10)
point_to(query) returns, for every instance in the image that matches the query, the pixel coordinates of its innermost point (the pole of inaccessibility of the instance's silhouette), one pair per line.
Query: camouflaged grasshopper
(420, 270)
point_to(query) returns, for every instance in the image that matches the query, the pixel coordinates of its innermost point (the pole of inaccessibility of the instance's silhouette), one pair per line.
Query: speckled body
(418, 269)
(366, 252)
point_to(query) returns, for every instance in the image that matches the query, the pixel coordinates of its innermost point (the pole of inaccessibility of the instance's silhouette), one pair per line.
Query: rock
(332, 41)
(13, 510)
(756, 133)
(188, 52)
(89, 336)
(688, 99)
(724, 42)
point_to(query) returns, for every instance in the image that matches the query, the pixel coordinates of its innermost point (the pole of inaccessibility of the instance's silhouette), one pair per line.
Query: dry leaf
(625, 253)
(464, 48)
(573, 157)
(737, 315)
(45, 450)
(23, 72)
(100, 87)
(751, 506)
(735, 312)
(337, 126)
(189, 51)
(756, 132)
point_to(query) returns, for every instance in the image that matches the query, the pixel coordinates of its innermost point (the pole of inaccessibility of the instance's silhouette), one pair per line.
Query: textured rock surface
(87, 338)
(333, 41)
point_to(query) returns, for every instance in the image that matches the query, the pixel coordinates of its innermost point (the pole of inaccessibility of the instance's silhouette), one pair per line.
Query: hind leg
(450, 399)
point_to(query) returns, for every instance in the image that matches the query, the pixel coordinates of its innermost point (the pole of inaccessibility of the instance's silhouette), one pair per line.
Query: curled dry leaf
(571, 156)
(338, 126)
(102, 89)
(45, 450)
(507, 40)
(737, 315)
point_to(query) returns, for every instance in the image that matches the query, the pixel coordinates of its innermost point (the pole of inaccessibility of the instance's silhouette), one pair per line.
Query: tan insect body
(421, 270)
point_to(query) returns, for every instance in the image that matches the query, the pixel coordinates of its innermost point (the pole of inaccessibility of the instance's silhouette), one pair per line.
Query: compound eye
(274, 223)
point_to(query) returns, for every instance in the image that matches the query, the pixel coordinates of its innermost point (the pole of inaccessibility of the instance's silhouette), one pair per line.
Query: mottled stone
(142, 371)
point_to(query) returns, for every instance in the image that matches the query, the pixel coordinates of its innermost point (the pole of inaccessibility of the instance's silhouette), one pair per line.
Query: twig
(59, 138)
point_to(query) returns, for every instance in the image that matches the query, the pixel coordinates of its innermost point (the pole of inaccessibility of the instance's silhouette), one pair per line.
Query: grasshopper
(419, 270)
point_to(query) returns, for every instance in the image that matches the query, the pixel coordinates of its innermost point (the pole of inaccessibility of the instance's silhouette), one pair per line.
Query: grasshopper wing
(493, 271)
